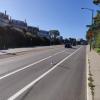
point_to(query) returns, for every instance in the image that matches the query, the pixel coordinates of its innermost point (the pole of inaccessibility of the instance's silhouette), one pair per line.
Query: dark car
(68, 45)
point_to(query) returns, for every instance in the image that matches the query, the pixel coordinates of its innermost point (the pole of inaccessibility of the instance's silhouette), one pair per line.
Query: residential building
(18, 24)
(4, 19)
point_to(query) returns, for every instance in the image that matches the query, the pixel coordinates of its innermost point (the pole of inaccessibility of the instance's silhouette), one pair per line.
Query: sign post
(90, 37)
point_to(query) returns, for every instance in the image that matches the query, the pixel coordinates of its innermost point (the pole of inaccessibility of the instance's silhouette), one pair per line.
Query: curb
(14, 53)
(88, 91)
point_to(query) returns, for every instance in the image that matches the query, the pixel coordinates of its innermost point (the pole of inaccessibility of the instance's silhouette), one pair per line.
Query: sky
(63, 15)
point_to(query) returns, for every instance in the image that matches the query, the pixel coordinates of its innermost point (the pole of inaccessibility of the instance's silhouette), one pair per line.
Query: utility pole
(92, 21)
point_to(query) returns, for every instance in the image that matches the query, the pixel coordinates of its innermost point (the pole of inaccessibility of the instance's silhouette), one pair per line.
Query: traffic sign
(90, 34)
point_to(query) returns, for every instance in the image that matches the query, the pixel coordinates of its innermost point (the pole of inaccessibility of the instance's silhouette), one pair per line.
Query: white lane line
(11, 73)
(12, 58)
(40, 77)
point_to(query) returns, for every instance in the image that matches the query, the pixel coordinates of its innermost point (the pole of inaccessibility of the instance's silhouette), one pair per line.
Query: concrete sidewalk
(95, 70)
(14, 50)
(18, 50)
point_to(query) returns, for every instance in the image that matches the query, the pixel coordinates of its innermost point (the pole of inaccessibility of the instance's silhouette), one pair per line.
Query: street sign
(90, 34)
(88, 25)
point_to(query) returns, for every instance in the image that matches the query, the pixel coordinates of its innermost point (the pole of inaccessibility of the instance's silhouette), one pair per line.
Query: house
(4, 19)
(18, 24)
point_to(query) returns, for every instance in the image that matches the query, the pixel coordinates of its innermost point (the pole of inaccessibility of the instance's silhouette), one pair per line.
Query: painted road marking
(14, 58)
(18, 70)
(40, 77)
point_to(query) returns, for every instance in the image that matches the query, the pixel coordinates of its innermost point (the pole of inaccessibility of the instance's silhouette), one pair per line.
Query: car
(68, 45)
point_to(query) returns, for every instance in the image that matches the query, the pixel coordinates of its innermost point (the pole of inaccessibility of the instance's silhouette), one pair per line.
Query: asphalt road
(53, 73)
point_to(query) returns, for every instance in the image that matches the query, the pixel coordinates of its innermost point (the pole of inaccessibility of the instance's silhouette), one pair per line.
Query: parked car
(67, 43)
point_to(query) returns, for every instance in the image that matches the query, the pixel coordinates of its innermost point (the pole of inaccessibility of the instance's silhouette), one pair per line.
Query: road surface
(53, 73)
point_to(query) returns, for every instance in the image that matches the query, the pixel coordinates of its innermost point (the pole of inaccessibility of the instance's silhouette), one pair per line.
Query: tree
(96, 2)
(54, 33)
(95, 30)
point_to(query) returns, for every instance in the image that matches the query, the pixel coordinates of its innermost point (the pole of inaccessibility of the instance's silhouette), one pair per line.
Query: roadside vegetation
(13, 38)
(91, 81)
(98, 50)
(17, 33)
(96, 33)
(95, 30)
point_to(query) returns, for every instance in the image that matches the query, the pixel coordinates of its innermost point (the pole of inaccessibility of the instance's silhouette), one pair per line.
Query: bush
(98, 50)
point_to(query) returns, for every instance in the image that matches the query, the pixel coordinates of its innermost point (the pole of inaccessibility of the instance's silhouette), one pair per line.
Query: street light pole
(92, 16)
(92, 11)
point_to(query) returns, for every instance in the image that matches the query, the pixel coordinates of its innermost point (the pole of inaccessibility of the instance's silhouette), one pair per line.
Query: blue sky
(64, 15)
